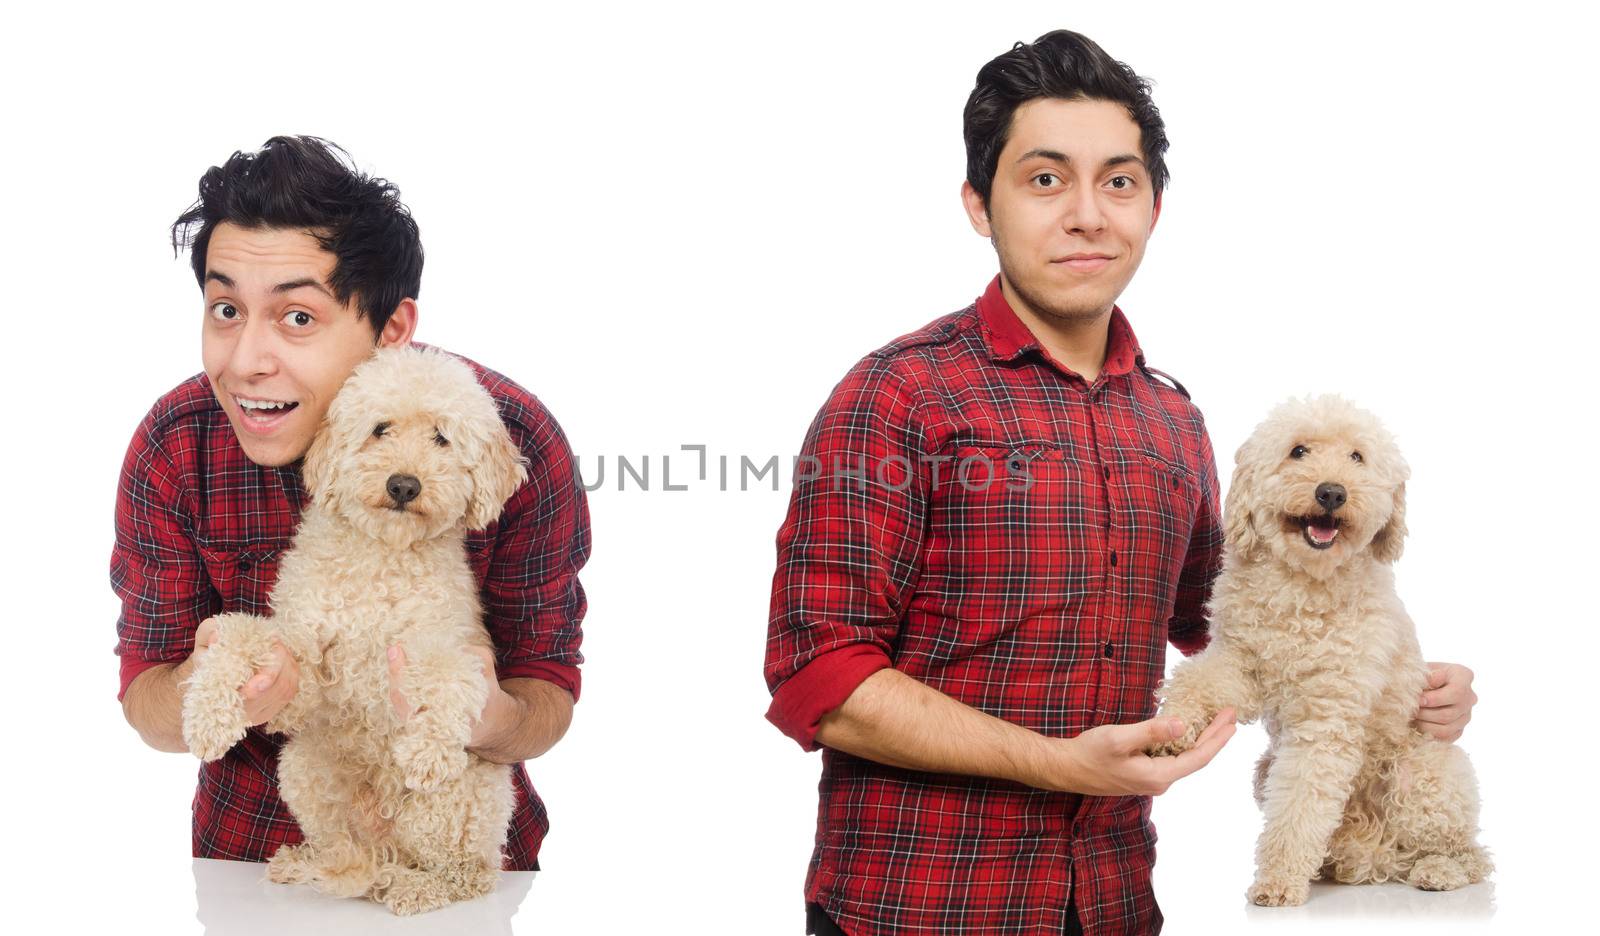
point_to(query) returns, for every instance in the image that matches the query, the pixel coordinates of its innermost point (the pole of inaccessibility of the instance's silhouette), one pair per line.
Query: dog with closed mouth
(411, 456)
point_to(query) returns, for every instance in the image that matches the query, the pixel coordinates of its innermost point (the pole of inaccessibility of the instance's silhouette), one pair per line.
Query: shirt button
(1110, 651)
(1106, 472)
(243, 565)
(1113, 558)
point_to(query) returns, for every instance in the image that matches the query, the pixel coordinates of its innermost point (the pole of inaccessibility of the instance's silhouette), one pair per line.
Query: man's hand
(1446, 706)
(897, 720)
(1110, 760)
(267, 691)
(490, 723)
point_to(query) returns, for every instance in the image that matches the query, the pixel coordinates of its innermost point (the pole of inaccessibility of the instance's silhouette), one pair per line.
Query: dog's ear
(496, 474)
(1390, 541)
(317, 471)
(1238, 528)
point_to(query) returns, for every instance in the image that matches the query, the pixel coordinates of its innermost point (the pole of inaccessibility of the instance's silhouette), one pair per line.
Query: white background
(681, 227)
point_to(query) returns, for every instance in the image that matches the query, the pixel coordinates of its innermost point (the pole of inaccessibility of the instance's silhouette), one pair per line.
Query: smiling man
(306, 267)
(1014, 515)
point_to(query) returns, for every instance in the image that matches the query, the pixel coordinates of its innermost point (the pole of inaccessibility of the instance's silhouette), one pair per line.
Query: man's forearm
(534, 719)
(153, 705)
(894, 719)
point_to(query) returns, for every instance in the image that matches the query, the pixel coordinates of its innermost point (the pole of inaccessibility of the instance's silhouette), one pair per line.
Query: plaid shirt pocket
(242, 576)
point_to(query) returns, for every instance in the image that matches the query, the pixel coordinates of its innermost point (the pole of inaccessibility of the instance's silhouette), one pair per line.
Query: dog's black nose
(405, 488)
(1330, 496)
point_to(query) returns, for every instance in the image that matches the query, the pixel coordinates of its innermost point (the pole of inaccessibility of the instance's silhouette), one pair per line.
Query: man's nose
(1083, 211)
(254, 354)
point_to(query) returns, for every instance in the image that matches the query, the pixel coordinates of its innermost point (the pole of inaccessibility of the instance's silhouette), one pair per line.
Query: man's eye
(224, 312)
(299, 319)
(1127, 182)
(1046, 179)
(380, 429)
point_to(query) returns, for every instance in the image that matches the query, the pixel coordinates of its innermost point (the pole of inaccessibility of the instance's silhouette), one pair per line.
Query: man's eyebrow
(290, 286)
(1055, 155)
(302, 281)
(1058, 156)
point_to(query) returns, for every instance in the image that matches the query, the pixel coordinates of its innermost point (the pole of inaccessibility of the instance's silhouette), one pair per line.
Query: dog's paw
(1274, 890)
(415, 892)
(426, 764)
(210, 742)
(1171, 748)
(213, 722)
(292, 864)
(1180, 744)
(1438, 873)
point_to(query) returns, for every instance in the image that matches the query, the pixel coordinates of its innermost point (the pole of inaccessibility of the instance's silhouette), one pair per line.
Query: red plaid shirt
(200, 527)
(1046, 603)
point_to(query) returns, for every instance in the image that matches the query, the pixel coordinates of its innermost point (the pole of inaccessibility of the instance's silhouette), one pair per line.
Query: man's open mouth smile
(262, 414)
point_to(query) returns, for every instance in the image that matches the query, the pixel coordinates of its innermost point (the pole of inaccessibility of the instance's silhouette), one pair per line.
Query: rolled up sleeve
(848, 550)
(533, 602)
(155, 568)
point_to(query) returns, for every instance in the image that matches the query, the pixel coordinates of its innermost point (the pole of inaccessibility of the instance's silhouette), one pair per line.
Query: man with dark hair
(306, 266)
(1013, 515)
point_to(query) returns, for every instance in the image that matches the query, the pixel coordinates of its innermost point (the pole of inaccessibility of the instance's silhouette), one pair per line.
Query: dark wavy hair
(1059, 64)
(307, 183)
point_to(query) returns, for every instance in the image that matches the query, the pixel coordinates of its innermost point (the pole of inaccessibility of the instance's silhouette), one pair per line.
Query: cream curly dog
(1308, 635)
(412, 455)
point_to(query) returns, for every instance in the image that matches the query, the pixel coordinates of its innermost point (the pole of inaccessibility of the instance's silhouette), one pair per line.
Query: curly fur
(398, 812)
(1316, 643)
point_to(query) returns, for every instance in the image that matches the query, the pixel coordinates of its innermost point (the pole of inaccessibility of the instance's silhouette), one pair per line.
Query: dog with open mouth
(1308, 635)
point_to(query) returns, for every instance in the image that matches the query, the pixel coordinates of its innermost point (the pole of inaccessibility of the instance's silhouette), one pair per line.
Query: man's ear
(496, 474)
(977, 209)
(1389, 542)
(401, 326)
(1155, 214)
(1238, 527)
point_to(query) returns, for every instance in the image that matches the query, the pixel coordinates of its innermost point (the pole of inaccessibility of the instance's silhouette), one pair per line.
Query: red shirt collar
(1008, 338)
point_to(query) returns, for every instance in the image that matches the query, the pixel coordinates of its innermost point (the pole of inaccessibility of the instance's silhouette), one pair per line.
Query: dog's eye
(380, 429)
(439, 439)
(1356, 457)
(1299, 451)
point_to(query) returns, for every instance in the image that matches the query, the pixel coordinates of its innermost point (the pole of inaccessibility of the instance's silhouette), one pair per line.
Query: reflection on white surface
(1384, 901)
(236, 899)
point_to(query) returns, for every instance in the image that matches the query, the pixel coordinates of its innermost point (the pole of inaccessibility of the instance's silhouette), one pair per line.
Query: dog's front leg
(1303, 796)
(1203, 685)
(213, 709)
(291, 719)
(447, 690)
